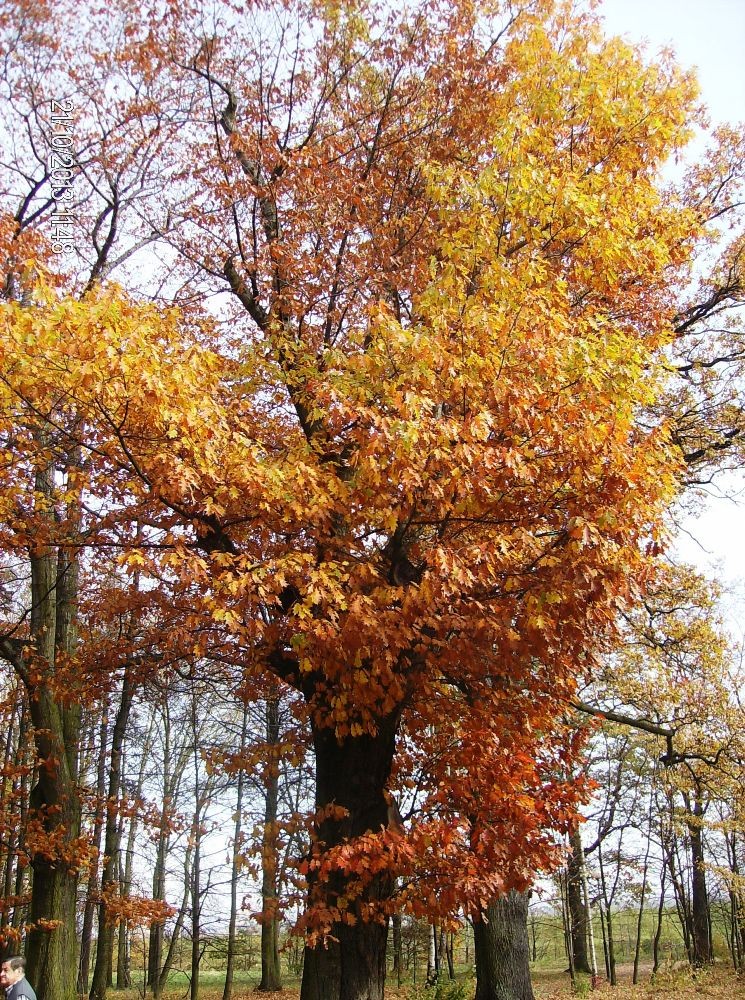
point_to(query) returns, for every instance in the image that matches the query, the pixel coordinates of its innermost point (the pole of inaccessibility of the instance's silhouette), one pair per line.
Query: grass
(719, 983)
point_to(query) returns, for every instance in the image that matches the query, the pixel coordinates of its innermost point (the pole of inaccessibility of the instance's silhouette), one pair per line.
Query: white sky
(707, 34)
(710, 36)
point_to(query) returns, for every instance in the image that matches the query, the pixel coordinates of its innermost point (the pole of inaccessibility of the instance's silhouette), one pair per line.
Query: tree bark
(89, 912)
(271, 977)
(575, 903)
(645, 873)
(102, 972)
(502, 950)
(700, 922)
(353, 774)
(397, 947)
(54, 805)
(175, 759)
(12, 798)
(123, 974)
(237, 828)
(660, 916)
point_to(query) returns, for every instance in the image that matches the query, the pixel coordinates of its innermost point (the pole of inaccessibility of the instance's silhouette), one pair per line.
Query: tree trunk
(566, 921)
(736, 905)
(89, 912)
(699, 897)
(611, 946)
(681, 898)
(237, 833)
(575, 903)
(645, 872)
(660, 917)
(608, 900)
(54, 806)
(175, 760)
(196, 901)
(700, 918)
(432, 969)
(102, 973)
(501, 946)
(351, 774)
(14, 781)
(177, 927)
(397, 947)
(271, 977)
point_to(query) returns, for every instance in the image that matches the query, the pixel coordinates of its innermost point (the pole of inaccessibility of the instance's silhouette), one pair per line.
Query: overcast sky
(708, 35)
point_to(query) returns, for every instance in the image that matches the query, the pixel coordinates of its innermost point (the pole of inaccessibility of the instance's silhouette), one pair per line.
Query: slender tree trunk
(155, 943)
(21, 879)
(178, 926)
(123, 977)
(432, 969)
(89, 913)
(533, 939)
(102, 972)
(397, 947)
(123, 972)
(566, 921)
(645, 872)
(271, 977)
(500, 939)
(351, 774)
(736, 906)
(660, 917)
(611, 946)
(588, 912)
(575, 903)
(12, 798)
(606, 956)
(608, 922)
(196, 903)
(235, 869)
(681, 901)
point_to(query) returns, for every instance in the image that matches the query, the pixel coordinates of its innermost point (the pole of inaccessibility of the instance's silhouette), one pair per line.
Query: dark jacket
(22, 990)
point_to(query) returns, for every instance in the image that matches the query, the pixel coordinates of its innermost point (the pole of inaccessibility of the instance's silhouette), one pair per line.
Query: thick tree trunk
(54, 802)
(575, 903)
(352, 774)
(502, 950)
(701, 937)
(271, 977)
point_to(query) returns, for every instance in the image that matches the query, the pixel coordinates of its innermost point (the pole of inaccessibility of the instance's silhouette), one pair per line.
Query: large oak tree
(406, 465)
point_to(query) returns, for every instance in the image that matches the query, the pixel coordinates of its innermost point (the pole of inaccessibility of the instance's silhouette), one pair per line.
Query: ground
(719, 983)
